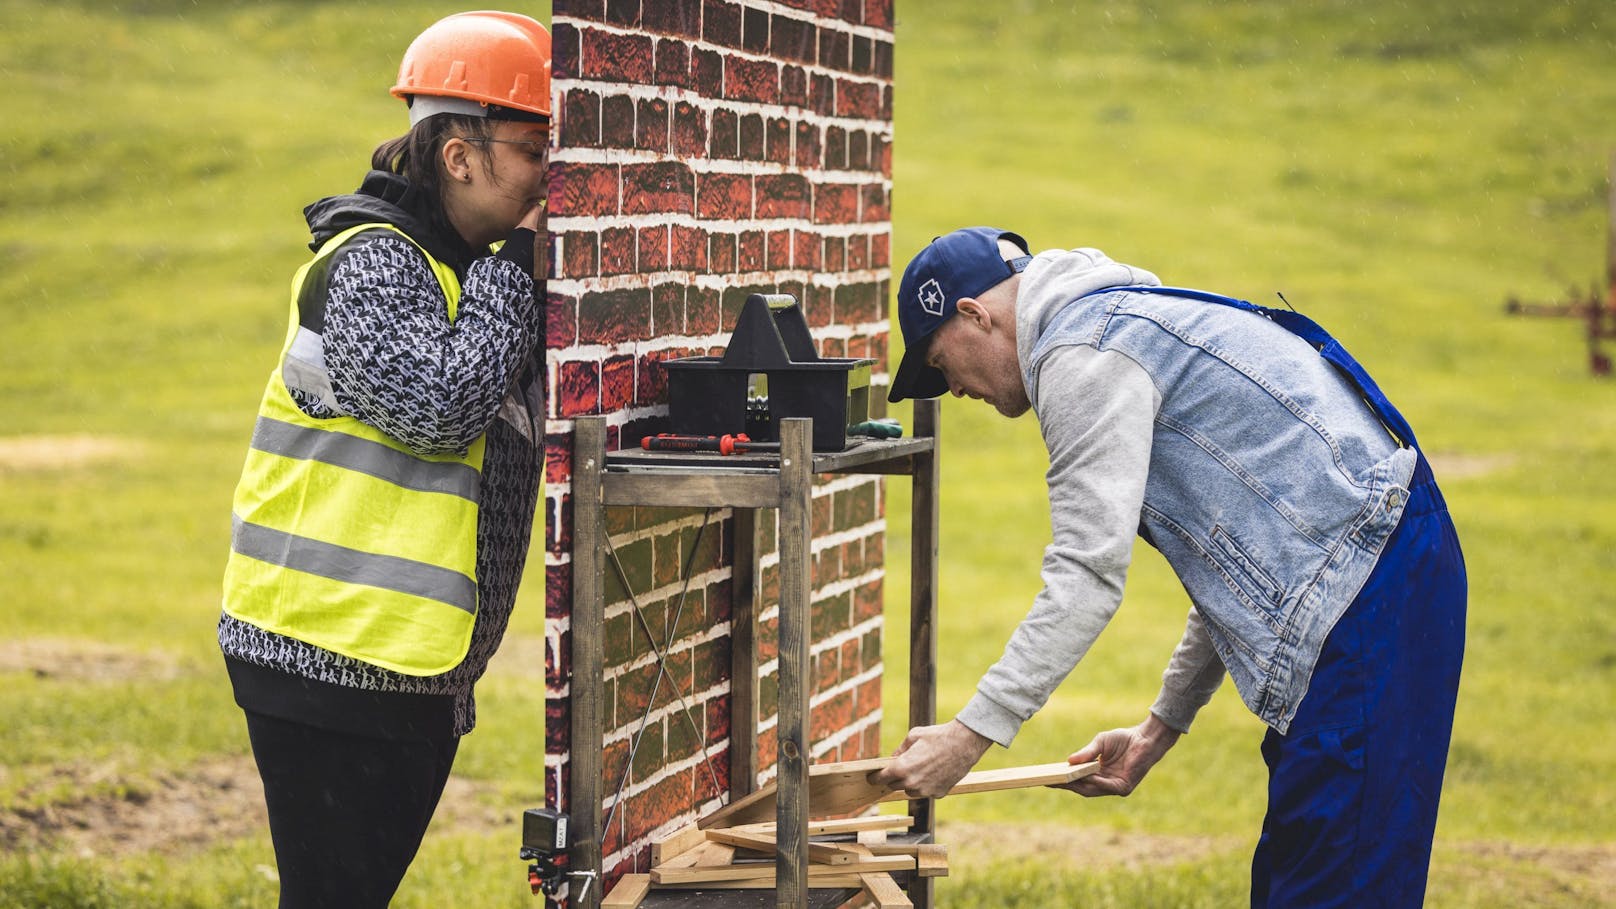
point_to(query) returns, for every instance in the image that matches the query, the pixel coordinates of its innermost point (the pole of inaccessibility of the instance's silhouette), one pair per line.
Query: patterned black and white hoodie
(398, 364)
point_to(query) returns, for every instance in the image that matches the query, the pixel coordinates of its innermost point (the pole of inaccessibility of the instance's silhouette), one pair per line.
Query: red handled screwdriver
(725, 444)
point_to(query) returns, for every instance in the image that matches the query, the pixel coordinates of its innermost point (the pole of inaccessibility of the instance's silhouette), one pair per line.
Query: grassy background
(1395, 169)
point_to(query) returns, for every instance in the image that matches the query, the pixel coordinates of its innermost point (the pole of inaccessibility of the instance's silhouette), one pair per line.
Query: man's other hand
(933, 758)
(1125, 756)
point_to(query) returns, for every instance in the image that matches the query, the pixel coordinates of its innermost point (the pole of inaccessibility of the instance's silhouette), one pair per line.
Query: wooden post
(743, 680)
(925, 510)
(586, 623)
(795, 540)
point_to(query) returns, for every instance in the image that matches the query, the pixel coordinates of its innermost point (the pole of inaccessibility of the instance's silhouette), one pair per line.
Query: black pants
(346, 812)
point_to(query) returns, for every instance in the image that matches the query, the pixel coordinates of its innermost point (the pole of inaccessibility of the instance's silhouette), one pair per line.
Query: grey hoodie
(1096, 411)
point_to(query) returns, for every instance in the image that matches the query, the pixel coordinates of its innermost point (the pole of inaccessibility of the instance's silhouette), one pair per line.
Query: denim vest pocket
(1245, 573)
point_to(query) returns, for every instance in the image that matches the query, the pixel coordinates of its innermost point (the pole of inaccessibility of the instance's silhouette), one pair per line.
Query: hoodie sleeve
(1096, 410)
(399, 364)
(1191, 678)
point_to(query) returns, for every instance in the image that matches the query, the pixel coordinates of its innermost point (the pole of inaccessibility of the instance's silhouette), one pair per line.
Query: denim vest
(1272, 488)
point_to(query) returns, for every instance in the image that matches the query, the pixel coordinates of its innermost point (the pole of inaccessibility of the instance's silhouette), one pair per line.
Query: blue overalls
(1353, 785)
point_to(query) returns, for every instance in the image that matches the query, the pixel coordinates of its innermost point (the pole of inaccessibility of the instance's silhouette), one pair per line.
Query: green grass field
(1396, 169)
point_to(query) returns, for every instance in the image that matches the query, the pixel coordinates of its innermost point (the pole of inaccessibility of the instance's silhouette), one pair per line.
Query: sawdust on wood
(37, 453)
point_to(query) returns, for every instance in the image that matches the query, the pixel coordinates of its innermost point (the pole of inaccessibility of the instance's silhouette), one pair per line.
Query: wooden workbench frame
(746, 484)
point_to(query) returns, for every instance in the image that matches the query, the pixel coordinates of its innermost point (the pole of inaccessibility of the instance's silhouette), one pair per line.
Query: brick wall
(707, 150)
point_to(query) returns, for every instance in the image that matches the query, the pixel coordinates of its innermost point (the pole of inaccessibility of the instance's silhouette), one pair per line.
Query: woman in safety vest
(383, 516)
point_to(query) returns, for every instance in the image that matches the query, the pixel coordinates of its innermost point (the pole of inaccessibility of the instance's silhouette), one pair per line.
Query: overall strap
(1314, 334)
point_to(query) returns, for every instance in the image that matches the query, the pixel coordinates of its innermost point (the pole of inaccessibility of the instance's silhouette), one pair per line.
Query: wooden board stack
(734, 846)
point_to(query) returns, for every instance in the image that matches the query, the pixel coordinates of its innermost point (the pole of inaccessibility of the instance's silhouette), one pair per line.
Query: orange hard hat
(481, 63)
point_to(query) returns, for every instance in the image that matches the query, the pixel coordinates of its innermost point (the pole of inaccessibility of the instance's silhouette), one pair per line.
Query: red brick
(653, 249)
(886, 103)
(835, 253)
(712, 777)
(768, 638)
(665, 558)
(826, 671)
(835, 203)
(662, 186)
(849, 661)
(577, 9)
(751, 80)
(861, 100)
(616, 383)
(578, 387)
(834, 47)
(672, 60)
(777, 140)
(852, 11)
(721, 23)
(558, 589)
(718, 719)
(562, 541)
(783, 196)
(794, 39)
(617, 121)
(584, 189)
(557, 719)
(822, 95)
(557, 458)
(564, 50)
(707, 72)
(793, 86)
(720, 599)
(878, 14)
(652, 386)
(751, 251)
(623, 12)
(721, 253)
(689, 131)
(874, 207)
(580, 118)
(863, 55)
(724, 196)
(617, 251)
(867, 601)
(833, 347)
(880, 257)
(858, 347)
(673, 17)
(580, 252)
(651, 124)
(751, 137)
(689, 249)
(777, 244)
(702, 307)
(614, 316)
(808, 156)
(857, 303)
(768, 745)
(858, 150)
(561, 321)
(726, 135)
(835, 148)
(858, 253)
(805, 253)
(754, 29)
(869, 658)
(883, 59)
(831, 716)
(616, 57)
(666, 800)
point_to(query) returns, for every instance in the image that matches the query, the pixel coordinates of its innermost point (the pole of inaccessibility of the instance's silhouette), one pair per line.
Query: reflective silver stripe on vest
(352, 566)
(362, 455)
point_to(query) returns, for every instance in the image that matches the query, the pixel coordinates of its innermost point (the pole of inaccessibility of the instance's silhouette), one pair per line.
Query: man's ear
(976, 313)
(457, 160)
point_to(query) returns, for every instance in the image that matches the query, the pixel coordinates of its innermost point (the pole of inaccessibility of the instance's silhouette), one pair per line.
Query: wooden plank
(931, 859)
(826, 826)
(744, 610)
(833, 788)
(925, 517)
(822, 853)
(691, 489)
(791, 731)
(676, 843)
(587, 621)
(629, 892)
(1026, 777)
(702, 855)
(766, 870)
(817, 882)
(885, 891)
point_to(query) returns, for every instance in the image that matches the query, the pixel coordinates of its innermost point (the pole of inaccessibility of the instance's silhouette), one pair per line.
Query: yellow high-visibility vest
(342, 536)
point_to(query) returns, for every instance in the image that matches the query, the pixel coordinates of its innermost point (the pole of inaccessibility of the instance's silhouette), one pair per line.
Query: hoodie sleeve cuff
(518, 249)
(985, 717)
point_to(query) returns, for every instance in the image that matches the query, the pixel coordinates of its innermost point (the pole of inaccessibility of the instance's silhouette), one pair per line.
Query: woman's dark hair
(417, 156)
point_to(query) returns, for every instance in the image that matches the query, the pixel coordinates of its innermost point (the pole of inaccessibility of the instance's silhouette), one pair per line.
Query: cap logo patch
(931, 297)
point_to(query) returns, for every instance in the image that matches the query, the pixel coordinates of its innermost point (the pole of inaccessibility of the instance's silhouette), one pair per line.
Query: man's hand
(1125, 756)
(933, 758)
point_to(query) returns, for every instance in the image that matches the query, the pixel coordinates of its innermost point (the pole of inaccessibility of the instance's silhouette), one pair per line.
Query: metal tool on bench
(770, 371)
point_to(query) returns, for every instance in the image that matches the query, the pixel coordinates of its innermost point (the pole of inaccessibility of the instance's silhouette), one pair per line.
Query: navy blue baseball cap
(960, 264)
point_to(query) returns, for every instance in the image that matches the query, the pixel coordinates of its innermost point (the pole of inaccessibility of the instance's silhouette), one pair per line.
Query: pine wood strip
(835, 788)
(676, 843)
(754, 870)
(840, 825)
(817, 882)
(885, 891)
(823, 853)
(703, 855)
(629, 892)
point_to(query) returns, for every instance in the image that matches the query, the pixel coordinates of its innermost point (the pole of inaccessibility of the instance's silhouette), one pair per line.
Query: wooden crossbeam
(666, 875)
